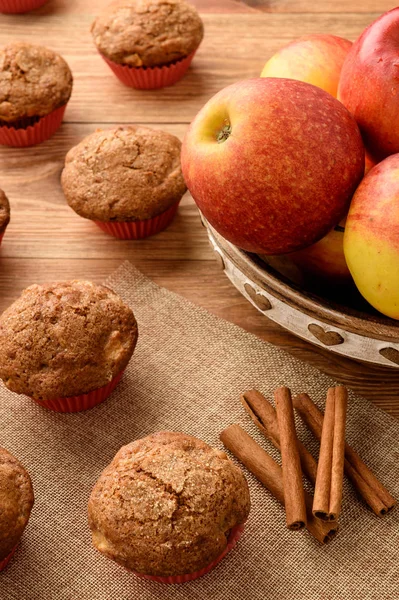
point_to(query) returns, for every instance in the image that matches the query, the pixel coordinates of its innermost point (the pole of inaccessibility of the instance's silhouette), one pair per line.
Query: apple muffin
(16, 501)
(4, 213)
(34, 81)
(147, 33)
(66, 340)
(166, 506)
(125, 179)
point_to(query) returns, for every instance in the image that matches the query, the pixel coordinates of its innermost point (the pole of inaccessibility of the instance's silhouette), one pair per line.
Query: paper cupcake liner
(82, 402)
(1, 236)
(235, 534)
(137, 230)
(6, 560)
(42, 130)
(19, 6)
(150, 78)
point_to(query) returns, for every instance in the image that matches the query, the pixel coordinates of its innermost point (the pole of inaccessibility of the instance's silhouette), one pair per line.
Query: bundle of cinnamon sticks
(320, 513)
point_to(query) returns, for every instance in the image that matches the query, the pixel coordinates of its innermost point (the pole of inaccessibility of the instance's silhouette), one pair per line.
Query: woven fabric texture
(186, 375)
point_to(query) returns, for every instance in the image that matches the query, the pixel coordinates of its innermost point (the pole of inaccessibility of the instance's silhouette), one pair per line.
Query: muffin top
(4, 211)
(166, 503)
(64, 339)
(124, 174)
(16, 501)
(147, 33)
(34, 81)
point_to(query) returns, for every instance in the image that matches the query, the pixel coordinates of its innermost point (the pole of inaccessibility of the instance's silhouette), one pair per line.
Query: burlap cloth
(186, 374)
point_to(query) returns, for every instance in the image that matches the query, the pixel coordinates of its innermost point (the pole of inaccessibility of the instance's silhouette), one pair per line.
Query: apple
(369, 85)
(371, 239)
(325, 260)
(315, 59)
(273, 163)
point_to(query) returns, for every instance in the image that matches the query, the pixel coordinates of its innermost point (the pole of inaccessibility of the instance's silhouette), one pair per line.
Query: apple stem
(224, 133)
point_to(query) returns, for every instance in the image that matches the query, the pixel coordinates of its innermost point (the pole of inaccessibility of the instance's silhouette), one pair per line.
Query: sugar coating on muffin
(124, 174)
(4, 211)
(64, 339)
(166, 504)
(147, 33)
(16, 501)
(34, 81)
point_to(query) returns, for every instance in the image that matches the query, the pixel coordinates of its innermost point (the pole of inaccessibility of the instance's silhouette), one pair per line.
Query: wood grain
(309, 6)
(46, 240)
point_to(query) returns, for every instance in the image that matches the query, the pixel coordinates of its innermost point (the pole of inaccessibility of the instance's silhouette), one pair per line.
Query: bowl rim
(317, 307)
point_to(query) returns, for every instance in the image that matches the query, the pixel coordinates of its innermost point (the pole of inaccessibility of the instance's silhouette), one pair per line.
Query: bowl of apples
(296, 175)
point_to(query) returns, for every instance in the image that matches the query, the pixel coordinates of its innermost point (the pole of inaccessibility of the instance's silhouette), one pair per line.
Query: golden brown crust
(147, 33)
(16, 501)
(64, 339)
(166, 503)
(4, 211)
(123, 174)
(34, 81)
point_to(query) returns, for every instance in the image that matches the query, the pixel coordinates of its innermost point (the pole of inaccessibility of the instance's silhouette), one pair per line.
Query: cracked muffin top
(123, 174)
(34, 81)
(4, 211)
(64, 339)
(16, 501)
(166, 503)
(147, 33)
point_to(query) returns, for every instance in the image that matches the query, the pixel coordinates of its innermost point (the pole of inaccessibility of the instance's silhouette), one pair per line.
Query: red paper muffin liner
(150, 78)
(82, 402)
(6, 560)
(19, 6)
(1, 236)
(42, 130)
(235, 534)
(137, 230)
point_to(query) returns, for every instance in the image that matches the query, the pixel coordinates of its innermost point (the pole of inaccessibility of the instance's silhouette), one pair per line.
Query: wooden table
(47, 240)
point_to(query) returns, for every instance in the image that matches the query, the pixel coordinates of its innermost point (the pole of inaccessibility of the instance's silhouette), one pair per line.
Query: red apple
(325, 260)
(273, 163)
(315, 58)
(369, 85)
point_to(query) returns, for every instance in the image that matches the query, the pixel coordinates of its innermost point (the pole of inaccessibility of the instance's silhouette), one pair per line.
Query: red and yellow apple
(371, 239)
(315, 59)
(273, 163)
(369, 85)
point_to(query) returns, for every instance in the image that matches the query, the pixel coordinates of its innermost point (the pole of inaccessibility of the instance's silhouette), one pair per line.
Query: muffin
(35, 86)
(127, 180)
(20, 6)
(16, 501)
(148, 44)
(66, 344)
(168, 507)
(4, 213)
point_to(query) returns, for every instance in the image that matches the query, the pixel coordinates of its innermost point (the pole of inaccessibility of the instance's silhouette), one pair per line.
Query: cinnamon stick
(268, 472)
(295, 509)
(264, 416)
(330, 468)
(363, 480)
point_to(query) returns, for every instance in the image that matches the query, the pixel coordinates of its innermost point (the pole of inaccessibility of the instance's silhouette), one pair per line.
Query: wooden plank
(239, 52)
(324, 6)
(76, 7)
(42, 224)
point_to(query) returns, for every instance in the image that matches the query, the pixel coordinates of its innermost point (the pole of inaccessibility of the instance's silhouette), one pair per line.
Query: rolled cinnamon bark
(363, 480)
(295, 509)
(264, 416)
(268, 472)
(330, 468)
